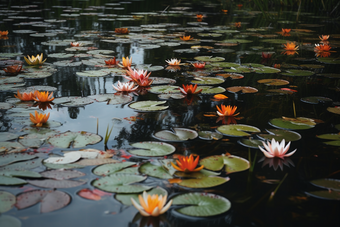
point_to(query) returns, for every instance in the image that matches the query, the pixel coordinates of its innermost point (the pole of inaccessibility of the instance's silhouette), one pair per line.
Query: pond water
(302, 105)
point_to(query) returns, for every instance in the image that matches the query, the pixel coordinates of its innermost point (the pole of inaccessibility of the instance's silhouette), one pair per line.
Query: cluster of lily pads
(206, 75)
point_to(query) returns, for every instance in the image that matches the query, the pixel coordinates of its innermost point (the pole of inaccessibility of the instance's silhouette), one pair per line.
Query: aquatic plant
(25, 96)
(190, 89)
(42, 96)
(173, 61)
(199, 65)
(39, 118)
(226, 111)
(13, 69)
(38, 60)
(122, 30)
(140, 77)
(322, 47)
(186, 38)
(76, 44)
(113, 61)
(125, 87)
(187, 164)
(3, 33)
(276, 149)
(126, 62)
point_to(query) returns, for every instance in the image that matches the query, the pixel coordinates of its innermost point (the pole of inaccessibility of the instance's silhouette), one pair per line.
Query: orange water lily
(226, 111)
(189, 89)
(322, 47)
(13, 69)
(238, 24)
(38, 60)
(25, 96)
(3, 33)
(276, 149)
(151, 205)
(111, 61)
(76, 44)
(291, 46)
(122, 30)
(225, 11)
(173, 61)
(199, 65)
(286, 30)
(324, 37)
(42, 96)
(126, 62)
(187, 164)
(186, 38)
(39, 118)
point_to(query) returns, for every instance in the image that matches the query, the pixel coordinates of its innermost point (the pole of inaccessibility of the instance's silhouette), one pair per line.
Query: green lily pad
(25, 165)
(150, 68)
(60, 55)
(77, 139)
(198, 174)
(63, 166)
(37, 137)
(161, 80)
(11, 146)
(240, 69)
(252, 143)
(329, 60)
(49, 183)
(286, 124)
(209, 58)
(335, 110)
(67, 63)
(152, 149)
(7, 201)
(334, 137)
(329, 195)
(211, 90)
(204, 182)
(22, 173)
(207, 80)
(164, 89)
(121, 183)
(154, 171)
(92, 73)
(332, 184)
(297, 72)
(108, 169)
(275, 41)
(62, 174)
(208, 135)
(237, 41)
(15, 157)
(237, 130)
(148, 105)
(201, 204)
(9, 221)
(279, 135)
(5, 136)
(273, 82)
(172, 96)
(177, 135)
(266, 69)
(6, 106)
(4, 180)
(316, 99)
(112, 99)
(126, 198)
(225, 64)
(232, 163)
(73, 101)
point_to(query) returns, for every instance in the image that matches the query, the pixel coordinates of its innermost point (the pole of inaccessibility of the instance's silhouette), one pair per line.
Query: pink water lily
(125, 87)
(276, 149)
(140, 77)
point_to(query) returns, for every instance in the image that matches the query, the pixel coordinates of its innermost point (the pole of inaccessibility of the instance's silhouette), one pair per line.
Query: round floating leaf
(164, 89)
(112, 99)
(334, 137)
(207, 80)
(68, 158)
(77, 139)
(209, 58)
(95, 162)
(237, 130)
(60, 55)
(329, 60)
(152, 149)
(225, 64)
(154, 171)
(93, 73)
(11, 146)
(287, 124)
(208, 135)
(62, 174)
(23, 173)
(204, 182)
(5, 106)
(232, 163)
(112, 168)
(199, 174)
(4, 180)
(73, 101)
(330, 195)
(36, 137)
(7, 201)
(121, 183)
(275, 41)
(273, 82)
(173, 96)
(280, 134)
(266, 69)
(15, 157)
(332, 184)
(297, 72)
(211, 90)
(126, 198)
(237, 41)
(252, 143)
(63, 166)
(9, 221)
(335, 110)
(316, 99)
(56, 183)
(66, 63)
(242, 89)
(177, 135)
(201, 204)
(26, 165)
(148, 105)
(161, 80)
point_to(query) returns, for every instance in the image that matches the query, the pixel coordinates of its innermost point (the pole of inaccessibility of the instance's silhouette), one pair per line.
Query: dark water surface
(248, 191)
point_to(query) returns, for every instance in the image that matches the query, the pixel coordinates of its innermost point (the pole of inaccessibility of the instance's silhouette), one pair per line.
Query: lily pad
(335, 110)
(15, 157)
(93, 73)
(74, 139)
(154, 171)
(26, 165)
(279, 135)
(126, 198)
(209, 58)
(9, 221)
(252, 143)
(177, 135)
(148, 105)
(164, 89)
(201, 204)
(207, 80)
(11, 146)
(4, 180)
(334, 137)
(273, 82)
(49, 183)
(108, 169)
(121, 183)
(203, 182)
(329, 195)
(329, 60)
(60, 55)
(152, 149)
(237, 130)
(242, 89)
(62, 174)
(208, 135)
(36, 137)
(211, 90)
(112, 99)
(7, 201)
(297, 72)
(327, 183)
(22, 173)
(316, 99)
(290, 125)
(161, 80)
(232, 163)
(73, 101)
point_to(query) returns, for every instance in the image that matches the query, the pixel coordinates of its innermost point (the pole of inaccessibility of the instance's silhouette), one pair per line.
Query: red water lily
(187, 164)
(140, 77)
(122, 30)
(111, 61)
(13, 69)
(199, 65)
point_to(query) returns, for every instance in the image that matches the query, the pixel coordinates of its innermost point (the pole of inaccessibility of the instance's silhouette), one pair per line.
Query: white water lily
(276, 149)
(173, 61)
(151, 205)
(125, 87)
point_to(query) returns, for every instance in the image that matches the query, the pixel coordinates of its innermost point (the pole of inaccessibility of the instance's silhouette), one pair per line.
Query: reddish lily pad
(242, 89)
(74, 139)
(273, 82)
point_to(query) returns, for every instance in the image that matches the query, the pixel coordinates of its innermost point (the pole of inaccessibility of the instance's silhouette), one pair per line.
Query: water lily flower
(122, 30)
(13, 69)
(38, 60)
(276, 149)
(322, 47)
(186, 38)
(3, 33)
(291, 46)
(266, 55)
(238, 24)
(76, 44)
(151, 205)
(199, 65)
(173, 61)
(25, 96)
(126, 62)
(39, 119)
(286, 30)
(277, 66)
(42, 96)
(187, 164)
(112, 61)
(189, 89)
(140, 77)
(220, 97)
(324, 37)
(239, 6)
(125, 87)
(226, 111)
(225, 11)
